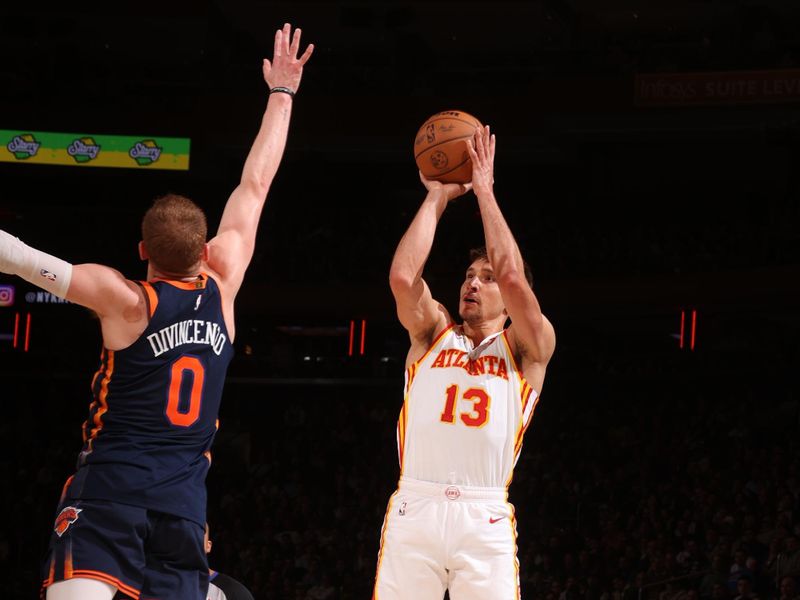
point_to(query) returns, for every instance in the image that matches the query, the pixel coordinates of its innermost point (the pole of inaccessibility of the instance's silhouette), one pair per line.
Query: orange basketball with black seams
(440, 148)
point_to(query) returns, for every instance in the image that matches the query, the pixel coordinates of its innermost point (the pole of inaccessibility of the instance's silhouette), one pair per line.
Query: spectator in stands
(744, 587)
(788, 588)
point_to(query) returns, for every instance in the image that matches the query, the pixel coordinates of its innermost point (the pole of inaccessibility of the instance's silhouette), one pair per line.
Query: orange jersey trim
(52, 575)
(522, 381)
(219, 287)
(402, 424)
(513, 521)
(151, 296)
(383, 543)
(68, 562)
(102, 366)
(64, 489)
(436, 340)
(98, 416)
(411, 372)
(523, 427)
(96, 575)
(124, 588)
(199, 284)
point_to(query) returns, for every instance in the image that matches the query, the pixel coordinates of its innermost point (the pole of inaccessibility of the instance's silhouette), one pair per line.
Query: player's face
(480, 295)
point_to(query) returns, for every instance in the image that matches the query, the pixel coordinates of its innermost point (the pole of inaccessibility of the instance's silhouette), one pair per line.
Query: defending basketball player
(132, 516)
(471, 389)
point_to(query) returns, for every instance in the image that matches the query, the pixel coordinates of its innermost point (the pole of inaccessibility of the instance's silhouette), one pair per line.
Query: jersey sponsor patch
(66, 518)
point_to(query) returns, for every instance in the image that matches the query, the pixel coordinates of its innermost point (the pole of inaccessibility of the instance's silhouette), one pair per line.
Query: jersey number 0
(179, 369)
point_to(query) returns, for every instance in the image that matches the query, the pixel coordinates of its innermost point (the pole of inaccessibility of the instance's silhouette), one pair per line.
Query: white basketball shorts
(439, 537)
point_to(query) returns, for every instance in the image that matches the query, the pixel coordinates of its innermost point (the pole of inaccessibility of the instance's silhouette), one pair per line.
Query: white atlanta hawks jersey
(465, 412)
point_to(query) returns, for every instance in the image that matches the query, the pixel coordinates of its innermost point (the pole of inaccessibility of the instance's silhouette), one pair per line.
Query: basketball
(440, 148)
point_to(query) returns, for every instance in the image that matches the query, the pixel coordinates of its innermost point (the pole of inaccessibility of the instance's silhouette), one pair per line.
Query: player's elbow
(512, 280)
(255, 185)
(400, 281)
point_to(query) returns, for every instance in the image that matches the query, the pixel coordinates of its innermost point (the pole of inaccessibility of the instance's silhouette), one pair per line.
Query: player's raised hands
(481, 151)
(286, 68)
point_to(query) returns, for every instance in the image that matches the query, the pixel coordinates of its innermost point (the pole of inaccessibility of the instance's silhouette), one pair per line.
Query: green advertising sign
(134, 152)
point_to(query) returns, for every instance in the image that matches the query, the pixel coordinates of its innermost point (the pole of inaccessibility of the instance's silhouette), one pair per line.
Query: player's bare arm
(531, 335)
(422, 316)
(231, 250)
(118, 302)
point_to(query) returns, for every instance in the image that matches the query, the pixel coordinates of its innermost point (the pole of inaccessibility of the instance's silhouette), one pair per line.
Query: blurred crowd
(683, 482)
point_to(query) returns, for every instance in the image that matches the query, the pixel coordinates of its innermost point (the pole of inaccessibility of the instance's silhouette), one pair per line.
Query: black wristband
(282, 90)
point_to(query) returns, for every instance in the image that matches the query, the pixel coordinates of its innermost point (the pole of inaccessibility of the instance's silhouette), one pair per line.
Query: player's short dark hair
(174, 232)
(480, 253)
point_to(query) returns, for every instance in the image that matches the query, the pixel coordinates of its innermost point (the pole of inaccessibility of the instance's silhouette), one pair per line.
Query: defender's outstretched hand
(286, 69)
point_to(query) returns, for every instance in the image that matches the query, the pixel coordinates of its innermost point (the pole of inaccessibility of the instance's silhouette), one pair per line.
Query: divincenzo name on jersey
(191, 331)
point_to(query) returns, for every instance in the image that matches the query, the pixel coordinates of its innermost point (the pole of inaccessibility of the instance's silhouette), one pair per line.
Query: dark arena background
(648, 162)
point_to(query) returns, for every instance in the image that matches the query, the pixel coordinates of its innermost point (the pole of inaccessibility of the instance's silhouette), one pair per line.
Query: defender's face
(480, 294)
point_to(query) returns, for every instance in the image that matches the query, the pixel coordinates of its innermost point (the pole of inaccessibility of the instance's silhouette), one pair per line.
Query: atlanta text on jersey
(485, 364)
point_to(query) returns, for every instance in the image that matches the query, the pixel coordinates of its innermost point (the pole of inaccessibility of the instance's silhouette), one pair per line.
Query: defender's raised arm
(232, 248)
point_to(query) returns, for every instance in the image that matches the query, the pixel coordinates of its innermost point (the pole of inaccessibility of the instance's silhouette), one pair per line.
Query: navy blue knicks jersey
(148, 437)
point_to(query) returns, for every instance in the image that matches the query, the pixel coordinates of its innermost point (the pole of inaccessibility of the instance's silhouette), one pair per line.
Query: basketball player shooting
(471, 389)
(132, 517)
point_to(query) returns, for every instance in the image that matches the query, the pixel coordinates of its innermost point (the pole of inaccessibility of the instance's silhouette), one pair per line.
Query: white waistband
(452, 492)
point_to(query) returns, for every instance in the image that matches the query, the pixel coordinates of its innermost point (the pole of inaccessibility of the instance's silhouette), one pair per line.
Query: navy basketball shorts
(145, 554)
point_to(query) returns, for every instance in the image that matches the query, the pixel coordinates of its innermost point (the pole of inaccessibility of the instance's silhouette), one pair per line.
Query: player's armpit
(532, 341)
(424, 337)
(229, 257)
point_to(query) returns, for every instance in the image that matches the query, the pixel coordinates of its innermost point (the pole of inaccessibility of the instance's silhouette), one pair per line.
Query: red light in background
(352, 337)
(27, 332)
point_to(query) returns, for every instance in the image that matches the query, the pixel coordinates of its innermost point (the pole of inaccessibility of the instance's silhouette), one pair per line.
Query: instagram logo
(6, 295)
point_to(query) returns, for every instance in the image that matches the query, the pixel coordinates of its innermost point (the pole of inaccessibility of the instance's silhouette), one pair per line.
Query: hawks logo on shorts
(66, 518)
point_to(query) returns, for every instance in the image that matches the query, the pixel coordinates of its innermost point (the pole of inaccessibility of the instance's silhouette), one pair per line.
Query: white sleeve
(43, 270)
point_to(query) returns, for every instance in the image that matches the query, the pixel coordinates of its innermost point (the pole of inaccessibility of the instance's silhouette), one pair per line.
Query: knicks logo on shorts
(66, 518)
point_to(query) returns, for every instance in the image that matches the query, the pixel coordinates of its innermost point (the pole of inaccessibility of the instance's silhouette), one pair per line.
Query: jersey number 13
(477, 417)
